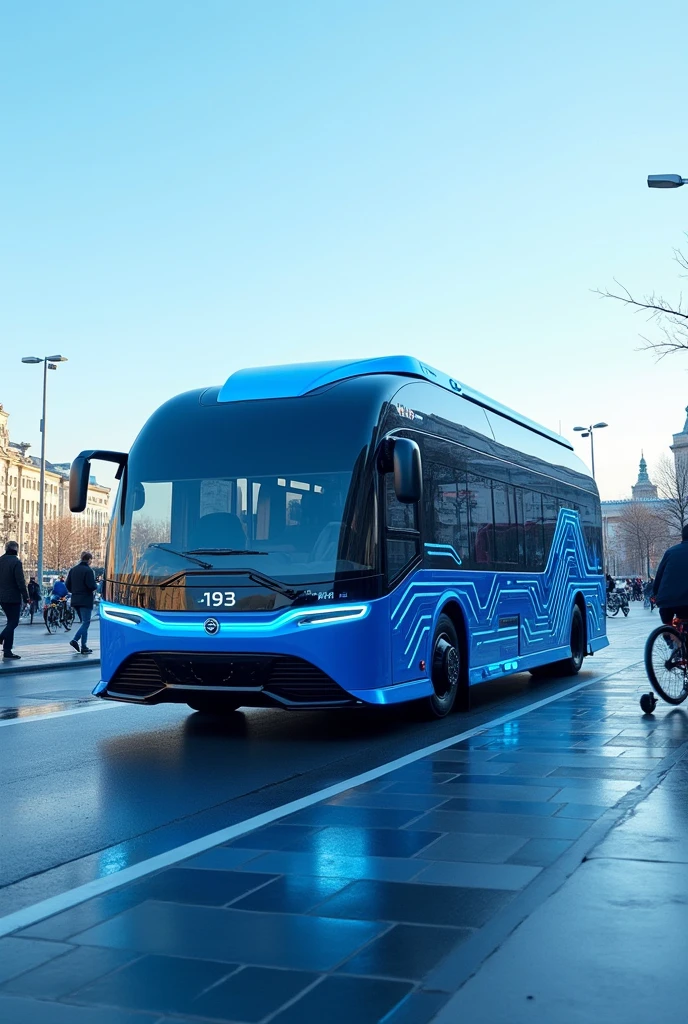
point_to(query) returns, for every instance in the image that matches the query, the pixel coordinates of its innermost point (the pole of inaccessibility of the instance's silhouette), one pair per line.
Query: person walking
(34, 597)
(12, 592)
(81, 583)
(670, 589)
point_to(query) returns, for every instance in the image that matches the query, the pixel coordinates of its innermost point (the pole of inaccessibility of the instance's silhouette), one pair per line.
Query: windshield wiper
(224, 551)
(297, 596)
(183, 554)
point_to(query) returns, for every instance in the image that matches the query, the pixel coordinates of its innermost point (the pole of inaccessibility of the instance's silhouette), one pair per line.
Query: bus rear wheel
(213, 705)
(445, 669)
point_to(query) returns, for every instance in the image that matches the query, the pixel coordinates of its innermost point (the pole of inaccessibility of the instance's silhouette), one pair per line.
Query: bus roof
(297, 379)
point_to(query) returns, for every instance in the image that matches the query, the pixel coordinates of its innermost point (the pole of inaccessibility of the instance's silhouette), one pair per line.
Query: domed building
(635, 530)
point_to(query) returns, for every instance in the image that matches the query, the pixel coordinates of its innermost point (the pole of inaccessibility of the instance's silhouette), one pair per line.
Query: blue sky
(193, 188)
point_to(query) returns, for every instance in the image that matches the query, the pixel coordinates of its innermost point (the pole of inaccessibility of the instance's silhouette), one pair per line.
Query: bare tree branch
(671, 318)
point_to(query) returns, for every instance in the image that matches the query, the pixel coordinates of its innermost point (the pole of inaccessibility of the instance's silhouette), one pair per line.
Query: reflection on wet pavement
(44, 708)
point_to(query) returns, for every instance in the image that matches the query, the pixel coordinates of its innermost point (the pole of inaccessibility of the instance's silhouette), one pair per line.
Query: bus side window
(550, 514)
(533, 529)
(481, 522)
(402, 542)
(446, 506)
(506, 532)
(398, 515)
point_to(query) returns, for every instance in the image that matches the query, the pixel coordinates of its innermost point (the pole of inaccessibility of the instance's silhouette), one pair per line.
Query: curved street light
(665, 181)
(590, 432)
(49, 363)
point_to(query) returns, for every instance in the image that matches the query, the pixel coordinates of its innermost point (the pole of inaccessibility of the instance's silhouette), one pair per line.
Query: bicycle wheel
(666, 664)
(613, 605)
(68, 617)
(52, 619)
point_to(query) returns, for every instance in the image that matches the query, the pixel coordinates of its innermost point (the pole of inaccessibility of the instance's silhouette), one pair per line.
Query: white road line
(38, 717)
(64, 901)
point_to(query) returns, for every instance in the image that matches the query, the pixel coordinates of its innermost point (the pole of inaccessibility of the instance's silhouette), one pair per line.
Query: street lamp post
(49, 363)
(665, 181)
(590, 432)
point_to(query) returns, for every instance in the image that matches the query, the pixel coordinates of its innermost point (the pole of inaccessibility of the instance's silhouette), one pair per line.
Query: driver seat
(219, 530)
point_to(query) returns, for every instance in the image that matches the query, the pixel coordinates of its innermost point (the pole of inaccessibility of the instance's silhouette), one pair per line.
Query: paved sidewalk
(42, 651)
(604, 947)
(378, 903)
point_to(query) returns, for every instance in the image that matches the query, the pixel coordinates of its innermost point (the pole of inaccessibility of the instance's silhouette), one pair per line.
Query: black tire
(666, 664)
(445, 670)
(568, 666)
(69, 616)
(213, 704)
(52, 619)
(613, 605)
(648, 703)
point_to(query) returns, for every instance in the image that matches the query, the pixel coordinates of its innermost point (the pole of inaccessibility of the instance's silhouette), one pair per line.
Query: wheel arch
(450, 606)
(579, 602)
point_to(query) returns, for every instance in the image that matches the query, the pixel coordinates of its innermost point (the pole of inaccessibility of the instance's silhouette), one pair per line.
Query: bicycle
(666, 664)
(617, 600)
(59, 613)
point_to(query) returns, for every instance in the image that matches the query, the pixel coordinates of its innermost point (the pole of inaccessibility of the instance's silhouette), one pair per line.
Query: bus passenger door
(407, 612)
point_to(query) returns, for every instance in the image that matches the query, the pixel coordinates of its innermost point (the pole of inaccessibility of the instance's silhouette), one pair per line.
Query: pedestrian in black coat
(81, 583)
(12, 592)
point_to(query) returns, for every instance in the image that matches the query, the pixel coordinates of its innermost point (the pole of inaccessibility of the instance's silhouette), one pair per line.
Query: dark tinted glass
(481, 524)
(291, 480)
(446, 499)
(399, 516)
(400, 553)
(533, 530)
(506, 532)
(550, 513)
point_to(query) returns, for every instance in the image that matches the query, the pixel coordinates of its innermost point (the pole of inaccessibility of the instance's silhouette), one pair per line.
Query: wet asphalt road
(85, 794)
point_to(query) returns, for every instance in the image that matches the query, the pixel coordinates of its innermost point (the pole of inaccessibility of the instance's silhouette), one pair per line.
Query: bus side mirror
(78, 483)
(408, 473)
(80, 473)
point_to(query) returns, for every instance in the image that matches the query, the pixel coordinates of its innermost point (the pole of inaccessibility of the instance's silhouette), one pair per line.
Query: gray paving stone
(464, 846)
(16, 1010)
(479, 876)
(20, 954)
(614, 960)
(234, 936)
(391, 869)
(504, 824)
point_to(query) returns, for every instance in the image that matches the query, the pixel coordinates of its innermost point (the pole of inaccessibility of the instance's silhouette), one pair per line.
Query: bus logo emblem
(211, 626)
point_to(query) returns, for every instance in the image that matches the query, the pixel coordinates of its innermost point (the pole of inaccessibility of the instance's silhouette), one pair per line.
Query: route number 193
(219, 598)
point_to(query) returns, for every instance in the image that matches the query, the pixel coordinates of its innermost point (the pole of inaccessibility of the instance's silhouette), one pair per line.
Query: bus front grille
(139, 676)
(283, 679)
(299, 682)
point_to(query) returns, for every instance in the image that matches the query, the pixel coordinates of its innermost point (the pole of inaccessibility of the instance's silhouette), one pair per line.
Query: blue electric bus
(340, 534)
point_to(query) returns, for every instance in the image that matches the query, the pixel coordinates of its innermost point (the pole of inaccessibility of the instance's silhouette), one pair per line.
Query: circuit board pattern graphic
(535, 608)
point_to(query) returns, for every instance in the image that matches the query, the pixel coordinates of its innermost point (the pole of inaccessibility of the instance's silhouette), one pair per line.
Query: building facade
(20, 501)
(637, 530)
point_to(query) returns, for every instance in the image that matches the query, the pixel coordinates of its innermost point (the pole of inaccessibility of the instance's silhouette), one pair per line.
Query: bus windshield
(296, 510)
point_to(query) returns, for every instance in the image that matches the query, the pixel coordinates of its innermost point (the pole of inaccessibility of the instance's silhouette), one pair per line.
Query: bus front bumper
(331, 656)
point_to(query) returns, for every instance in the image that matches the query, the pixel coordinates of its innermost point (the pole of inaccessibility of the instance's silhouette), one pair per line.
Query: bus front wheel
(446, 669)
(213, 705)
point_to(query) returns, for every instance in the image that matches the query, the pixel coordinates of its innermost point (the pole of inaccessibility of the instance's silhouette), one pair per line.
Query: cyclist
(670, 589)
(58, 594)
